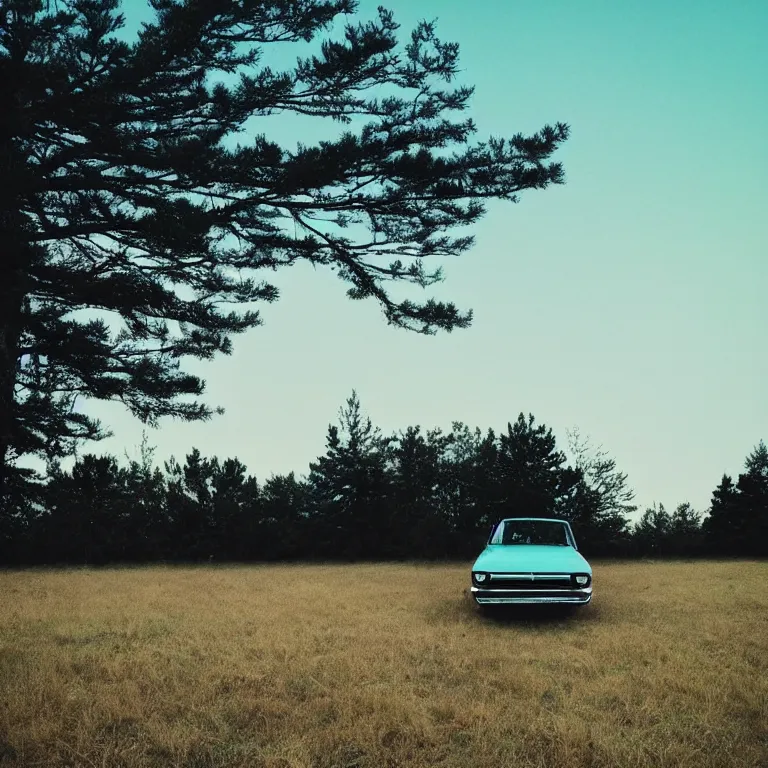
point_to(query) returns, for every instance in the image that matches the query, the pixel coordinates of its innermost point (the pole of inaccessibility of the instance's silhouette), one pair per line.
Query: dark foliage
(136, 230)
(601, 499)
(738, 519)
(416, 494)
(350, 489)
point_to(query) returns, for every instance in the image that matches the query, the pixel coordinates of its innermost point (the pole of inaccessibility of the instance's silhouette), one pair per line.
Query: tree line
(418, 494)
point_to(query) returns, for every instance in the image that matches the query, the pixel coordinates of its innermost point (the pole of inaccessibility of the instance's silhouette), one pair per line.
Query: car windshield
(546, 532)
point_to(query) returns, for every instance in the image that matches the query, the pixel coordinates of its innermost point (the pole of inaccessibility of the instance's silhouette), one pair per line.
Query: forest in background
(413, 495)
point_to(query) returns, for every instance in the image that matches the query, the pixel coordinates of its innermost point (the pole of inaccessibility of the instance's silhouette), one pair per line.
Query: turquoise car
(531, 560)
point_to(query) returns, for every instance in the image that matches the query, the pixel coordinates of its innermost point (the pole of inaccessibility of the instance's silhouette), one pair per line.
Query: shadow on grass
(465, 611)
(534, 615)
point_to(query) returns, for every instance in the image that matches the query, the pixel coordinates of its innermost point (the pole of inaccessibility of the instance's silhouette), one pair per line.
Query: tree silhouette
(137, 221)
(533, 478)
(350, 485)
(738, 517)
(147, 523)
(603, 499)
(283, 528)
(418, 526)
(415, 495)
(652, 532)
(88, 517)
(469, 491)
(685, 530)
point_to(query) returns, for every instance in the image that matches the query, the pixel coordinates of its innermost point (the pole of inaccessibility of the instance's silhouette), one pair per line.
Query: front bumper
(531, 596)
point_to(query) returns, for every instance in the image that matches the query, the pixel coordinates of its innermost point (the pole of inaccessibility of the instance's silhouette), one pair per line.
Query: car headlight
(480, 578)
(582, 580)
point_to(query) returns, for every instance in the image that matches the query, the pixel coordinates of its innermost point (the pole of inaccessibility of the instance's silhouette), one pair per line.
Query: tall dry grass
(380, 665)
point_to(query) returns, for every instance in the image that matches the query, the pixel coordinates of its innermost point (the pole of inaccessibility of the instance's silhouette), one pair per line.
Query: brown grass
(380, 665)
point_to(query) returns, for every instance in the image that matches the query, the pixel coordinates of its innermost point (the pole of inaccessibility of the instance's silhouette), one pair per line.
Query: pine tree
(283, 529)
(685, 536)
(753, 501)
(235, 498)
(146, 518)
(651, 534)
(738, 517)
(351, 487)
(419, 525)
(721, 523)
(211, 506)
(135, 227)
(533, 477)
(469, 490)
(190, 506)
(86, 520)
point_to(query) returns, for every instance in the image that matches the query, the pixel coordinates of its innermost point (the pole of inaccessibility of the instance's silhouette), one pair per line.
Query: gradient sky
(631, 303)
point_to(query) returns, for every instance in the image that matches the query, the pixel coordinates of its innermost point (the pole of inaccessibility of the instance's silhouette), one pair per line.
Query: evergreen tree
(235, 500)
(471, 467)
(419, 527)
(651, 534)
(190, 506)
(145, 518)
(533, 478)
(738, 517)
(753, 502)
(350, 486)
(721, 525)
(135, 228)
(19, 530)
(685, 536)
(284, 529)
(212, 506)
(87, 517)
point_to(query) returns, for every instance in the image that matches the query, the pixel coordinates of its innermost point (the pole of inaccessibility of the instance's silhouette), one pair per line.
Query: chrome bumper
(530, 596)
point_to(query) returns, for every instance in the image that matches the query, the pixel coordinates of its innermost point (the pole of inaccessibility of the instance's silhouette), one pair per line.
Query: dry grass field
(380, 665)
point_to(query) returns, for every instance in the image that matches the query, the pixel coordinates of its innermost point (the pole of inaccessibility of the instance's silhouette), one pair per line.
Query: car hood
(530, 558)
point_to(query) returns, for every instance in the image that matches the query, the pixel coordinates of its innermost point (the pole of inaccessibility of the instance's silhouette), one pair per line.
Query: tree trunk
(15, 249)
(11, 300)
(13, 288)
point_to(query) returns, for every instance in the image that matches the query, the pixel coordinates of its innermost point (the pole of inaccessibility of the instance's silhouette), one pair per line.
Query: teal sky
(631, 303)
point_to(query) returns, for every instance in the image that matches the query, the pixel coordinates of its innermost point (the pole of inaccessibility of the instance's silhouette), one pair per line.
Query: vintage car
(531, 560)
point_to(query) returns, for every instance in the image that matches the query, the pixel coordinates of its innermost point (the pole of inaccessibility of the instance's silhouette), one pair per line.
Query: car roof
(537, 519)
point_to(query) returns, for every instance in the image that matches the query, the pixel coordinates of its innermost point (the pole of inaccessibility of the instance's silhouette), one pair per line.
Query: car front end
(510, 588)
(531, 561)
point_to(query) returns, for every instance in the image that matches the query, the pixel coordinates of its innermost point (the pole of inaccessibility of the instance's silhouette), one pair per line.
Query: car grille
(549, 581)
